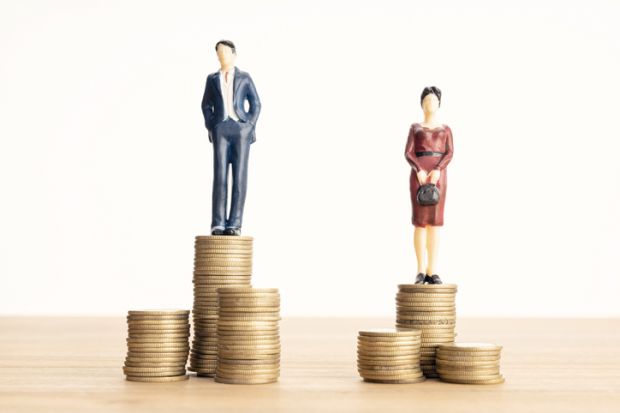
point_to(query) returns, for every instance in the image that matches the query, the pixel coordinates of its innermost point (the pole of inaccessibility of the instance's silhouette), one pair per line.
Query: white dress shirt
(227, 93)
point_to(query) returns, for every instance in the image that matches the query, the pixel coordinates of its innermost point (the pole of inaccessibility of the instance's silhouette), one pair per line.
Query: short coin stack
(431, 308)
(220, 261)
(389, 356)
(157, 346)
(248, 350)
(469, 363)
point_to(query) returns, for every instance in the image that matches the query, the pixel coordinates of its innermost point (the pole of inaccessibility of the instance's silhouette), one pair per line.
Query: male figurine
(231, 130)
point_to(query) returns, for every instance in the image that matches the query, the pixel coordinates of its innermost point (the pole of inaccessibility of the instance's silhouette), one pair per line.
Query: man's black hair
(226, 43)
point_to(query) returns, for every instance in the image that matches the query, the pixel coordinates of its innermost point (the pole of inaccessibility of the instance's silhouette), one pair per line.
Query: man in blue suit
(231, 130)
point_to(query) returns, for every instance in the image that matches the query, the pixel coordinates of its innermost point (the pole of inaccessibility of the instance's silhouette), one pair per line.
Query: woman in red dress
(429, 150)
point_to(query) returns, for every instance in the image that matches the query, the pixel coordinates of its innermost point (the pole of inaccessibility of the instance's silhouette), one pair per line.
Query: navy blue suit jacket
(213, 104)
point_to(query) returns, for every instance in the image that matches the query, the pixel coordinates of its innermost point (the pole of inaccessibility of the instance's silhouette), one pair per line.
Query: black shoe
(217, 232)
(232, 231)
(428, 280)
(435, 279)
(419, 279)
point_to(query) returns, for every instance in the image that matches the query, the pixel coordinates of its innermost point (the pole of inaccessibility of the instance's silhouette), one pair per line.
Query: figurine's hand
(434, 176)
(422, 176)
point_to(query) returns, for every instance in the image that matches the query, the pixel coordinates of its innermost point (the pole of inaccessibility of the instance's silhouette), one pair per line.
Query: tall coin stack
(248, 350)
(389, 356)
(469, 363)
(157, 345)
(220, 261)
(431, 308)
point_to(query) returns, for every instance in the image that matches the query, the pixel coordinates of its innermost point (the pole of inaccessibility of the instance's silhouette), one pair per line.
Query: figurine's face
(430, 103)
(225, 55)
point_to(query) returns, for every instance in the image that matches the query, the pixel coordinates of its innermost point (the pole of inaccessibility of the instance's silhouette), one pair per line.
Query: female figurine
(429, 150)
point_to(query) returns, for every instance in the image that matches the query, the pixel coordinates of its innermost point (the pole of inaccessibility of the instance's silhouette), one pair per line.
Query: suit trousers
(231, 146)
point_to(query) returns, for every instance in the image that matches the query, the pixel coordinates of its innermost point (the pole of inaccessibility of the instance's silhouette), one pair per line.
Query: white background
(106, 168)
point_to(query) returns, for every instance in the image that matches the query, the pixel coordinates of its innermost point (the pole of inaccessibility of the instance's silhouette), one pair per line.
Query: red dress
(423, 139)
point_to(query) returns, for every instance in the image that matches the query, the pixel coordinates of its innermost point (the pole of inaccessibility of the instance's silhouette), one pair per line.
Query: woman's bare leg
(419, 242)
(432, 245)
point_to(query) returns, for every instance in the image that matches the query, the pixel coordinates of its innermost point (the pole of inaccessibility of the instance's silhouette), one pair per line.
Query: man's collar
(231, 70)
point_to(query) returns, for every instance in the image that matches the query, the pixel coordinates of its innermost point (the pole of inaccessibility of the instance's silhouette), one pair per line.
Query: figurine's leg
(432, 246)
(419, 242)
(240, 153)
(220, 180)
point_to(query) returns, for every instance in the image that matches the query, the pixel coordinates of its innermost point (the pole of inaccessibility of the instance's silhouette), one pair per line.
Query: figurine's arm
(447, 156)
(410, 152)
(207, 106)
(254, 101)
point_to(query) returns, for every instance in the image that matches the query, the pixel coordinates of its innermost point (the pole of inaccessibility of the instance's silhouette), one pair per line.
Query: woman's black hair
(226, 43)
(428, 90)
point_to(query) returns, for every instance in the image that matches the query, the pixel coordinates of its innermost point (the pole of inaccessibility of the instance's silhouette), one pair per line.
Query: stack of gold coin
(469, 363)
(389, 356)
(220, 261)
(431, 308)
(248, 350)
(157, 345)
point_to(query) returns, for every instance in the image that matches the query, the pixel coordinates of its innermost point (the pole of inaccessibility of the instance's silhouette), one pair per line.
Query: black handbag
(428, 194)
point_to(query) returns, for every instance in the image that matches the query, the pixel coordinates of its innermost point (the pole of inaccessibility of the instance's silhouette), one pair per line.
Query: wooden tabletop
(74, 364)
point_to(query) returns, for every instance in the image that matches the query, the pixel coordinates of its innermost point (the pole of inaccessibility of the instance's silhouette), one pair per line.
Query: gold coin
(158, 329)
(247, 353)
(400, 348)
(156, 341)
(393, 340)
(249, 333)
(497, 380)
(437, 295)
(157, 374)
(466, 364)
(156, 364)
(472, 347)
(250, 290)
(151, 354)
(248, 367)
(150, 321)
(222, 254)
(405, 381)
(385, 343)
(223, 240)
(131, 370)
(250, 341)
(223, 261)
(156, 360)
(370, 374)
(386, 359)
(416, 302)
(479, 359)
(443, 353)
(423, 323)
(224, 372)
(156, 320)
(202, 246)
(154, 333)
(248, 319)
(254, 380)
(250, 311)
(389, 332)
(249, 323)
(158, 312)
(241, 362)
(367, 363)
(249, 306)
(458, 376)
(427, 287)
(255, 356)
(157, 379)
